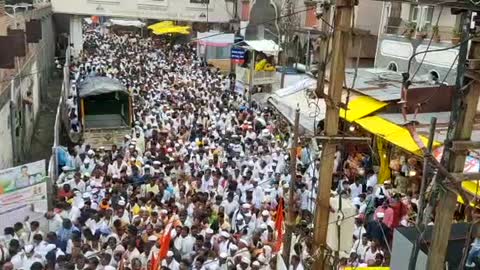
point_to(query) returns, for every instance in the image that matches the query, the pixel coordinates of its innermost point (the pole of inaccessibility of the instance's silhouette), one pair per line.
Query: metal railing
(445, 33)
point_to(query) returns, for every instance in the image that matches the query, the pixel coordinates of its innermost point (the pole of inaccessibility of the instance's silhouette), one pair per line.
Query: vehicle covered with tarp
(105, 111)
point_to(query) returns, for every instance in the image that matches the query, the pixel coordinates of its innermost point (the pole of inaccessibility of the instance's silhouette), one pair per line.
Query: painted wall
(363, 15)
(6, 154)
(183, 10)
(17, 118)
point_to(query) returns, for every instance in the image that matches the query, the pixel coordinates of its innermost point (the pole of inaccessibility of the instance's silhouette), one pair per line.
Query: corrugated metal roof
(421, 118)
(380, 84)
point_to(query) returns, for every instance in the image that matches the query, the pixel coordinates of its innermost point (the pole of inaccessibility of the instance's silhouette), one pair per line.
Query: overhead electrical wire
(428, 46)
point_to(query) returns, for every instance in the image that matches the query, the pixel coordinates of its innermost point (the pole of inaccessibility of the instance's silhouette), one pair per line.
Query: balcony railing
(445, 33)
(259, 77)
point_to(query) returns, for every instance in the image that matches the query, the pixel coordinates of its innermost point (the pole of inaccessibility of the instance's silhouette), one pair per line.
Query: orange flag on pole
(154, 263)
(279, 225)
(165, 244)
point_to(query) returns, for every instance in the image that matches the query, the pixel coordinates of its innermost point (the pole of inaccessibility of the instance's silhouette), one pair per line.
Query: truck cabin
(104, 104)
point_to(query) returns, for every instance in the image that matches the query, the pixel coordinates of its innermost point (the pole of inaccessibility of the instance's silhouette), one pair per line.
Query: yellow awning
(361, 106)
(184, 30)
(393, 133)
(471, 188)
(160, 25)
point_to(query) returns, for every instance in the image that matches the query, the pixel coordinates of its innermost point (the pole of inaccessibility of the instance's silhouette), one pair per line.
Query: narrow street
(42, 140)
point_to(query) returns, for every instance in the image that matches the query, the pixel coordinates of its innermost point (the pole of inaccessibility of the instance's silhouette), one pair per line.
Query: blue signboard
(237, 55)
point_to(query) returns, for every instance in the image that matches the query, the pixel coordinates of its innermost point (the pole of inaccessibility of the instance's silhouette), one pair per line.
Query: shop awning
(125, 22)
(266, 46)
(183, 30)
(361, 106)
(215, 39)
(160, 25)
(394, 134)
(168, 27)
(472, 188)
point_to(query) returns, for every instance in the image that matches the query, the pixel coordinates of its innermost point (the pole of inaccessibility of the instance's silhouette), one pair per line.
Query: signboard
(237, 55)
(23, 192)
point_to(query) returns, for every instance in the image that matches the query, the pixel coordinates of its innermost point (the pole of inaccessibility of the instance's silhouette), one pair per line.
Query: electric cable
(428, 47)
(439, 50)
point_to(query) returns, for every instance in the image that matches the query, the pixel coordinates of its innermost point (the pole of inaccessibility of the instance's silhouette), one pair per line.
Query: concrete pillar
(76, 34)
(311, 16)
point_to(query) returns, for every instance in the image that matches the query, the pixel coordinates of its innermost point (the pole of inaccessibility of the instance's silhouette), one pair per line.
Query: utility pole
(423, 186)
(341, 39)
(324, 45)
(460, 129)
(290, 221)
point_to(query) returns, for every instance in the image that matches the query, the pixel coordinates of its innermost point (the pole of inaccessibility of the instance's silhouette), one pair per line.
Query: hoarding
(23, 192)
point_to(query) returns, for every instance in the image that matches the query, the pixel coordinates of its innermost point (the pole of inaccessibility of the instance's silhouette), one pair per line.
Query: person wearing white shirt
(305, 198)
(24, 259)
(77, 183)
(372, 178)
(230, 205)
(257, 195)
(54, 221)
(185, 242)
(170, 262)
(356, 189)
(381, 192)
(207, 181)
(117, 166)
(71, 212)
(296, 263)
(371, 252)
(360, 246)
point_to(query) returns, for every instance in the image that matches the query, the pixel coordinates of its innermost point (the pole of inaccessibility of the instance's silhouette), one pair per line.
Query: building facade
(23, 87)
(408, 28)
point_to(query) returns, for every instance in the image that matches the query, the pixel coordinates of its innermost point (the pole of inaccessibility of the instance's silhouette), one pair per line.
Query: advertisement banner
(472, 164)
(23, 192)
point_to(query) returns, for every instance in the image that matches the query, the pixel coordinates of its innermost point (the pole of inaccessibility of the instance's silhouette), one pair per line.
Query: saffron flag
(154, 263)
(279, 225)
(165, 244)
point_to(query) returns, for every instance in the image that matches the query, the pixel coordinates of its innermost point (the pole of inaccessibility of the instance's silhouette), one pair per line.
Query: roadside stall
(215, 47)
(257, 72)
(400, 156)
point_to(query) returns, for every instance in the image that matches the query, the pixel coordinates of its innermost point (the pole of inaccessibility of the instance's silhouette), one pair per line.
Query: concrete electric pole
(341, 38)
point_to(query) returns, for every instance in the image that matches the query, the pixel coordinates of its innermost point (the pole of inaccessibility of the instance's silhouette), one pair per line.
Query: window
(422, 16)
(434, 76)
(392, 66)
(200, 1)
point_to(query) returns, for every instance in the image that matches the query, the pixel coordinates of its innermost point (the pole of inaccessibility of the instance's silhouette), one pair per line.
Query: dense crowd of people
(199, 182)
(196, 184)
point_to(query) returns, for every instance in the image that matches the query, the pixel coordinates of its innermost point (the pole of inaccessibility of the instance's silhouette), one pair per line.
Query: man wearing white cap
(170, 262)
(242, 251)
(244, 263)
(25, 258)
